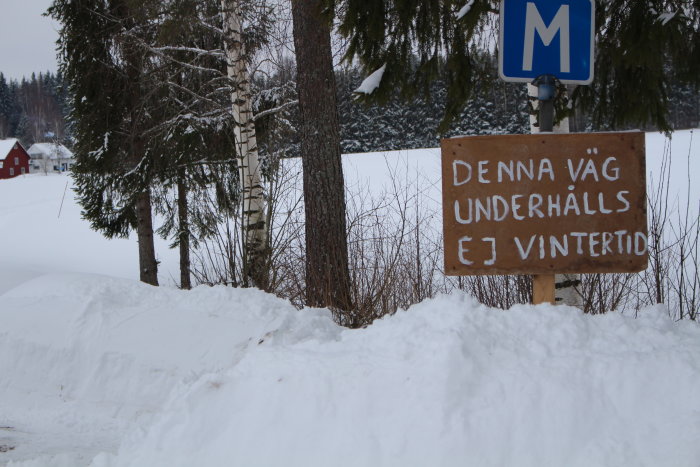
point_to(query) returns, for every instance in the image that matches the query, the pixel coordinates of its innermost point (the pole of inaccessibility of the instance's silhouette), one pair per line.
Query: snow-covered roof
(50, 151)
(6, 146)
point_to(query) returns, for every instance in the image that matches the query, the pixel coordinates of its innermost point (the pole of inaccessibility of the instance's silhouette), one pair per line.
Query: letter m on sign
(547, 37)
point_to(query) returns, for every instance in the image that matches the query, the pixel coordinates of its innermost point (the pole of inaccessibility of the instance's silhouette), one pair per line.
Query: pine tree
(327, 272)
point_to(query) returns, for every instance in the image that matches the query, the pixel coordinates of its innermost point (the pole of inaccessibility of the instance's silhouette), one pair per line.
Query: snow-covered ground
(100, 370)
(41, 231)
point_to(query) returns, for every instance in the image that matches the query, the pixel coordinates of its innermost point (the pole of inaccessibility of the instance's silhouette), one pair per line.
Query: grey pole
(546, 91)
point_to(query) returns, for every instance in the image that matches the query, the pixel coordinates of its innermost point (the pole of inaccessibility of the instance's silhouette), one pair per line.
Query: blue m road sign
(547, 37)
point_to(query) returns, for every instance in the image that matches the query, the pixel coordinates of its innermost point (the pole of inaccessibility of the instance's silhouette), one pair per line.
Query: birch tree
(253, 204)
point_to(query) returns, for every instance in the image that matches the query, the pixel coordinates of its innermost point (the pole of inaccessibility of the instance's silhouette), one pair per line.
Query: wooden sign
(544, 204)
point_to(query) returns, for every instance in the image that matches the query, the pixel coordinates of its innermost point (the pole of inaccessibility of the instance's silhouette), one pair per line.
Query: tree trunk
(183, 234)
(134, 70)
(255, 248)
(148, 265)
(327, 273)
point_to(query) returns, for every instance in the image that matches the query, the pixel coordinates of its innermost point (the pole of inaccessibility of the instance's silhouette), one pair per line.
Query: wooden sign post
(544, 204)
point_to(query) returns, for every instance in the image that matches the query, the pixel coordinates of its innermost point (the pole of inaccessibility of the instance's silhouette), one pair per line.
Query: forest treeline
(36, 109)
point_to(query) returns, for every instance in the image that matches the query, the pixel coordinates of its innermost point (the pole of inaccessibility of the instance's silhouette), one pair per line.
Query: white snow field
(99, 370)
(41, 231)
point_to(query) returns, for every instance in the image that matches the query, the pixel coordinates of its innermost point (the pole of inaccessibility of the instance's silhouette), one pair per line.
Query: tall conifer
(108, 77)
(327, 272)
(5, 107)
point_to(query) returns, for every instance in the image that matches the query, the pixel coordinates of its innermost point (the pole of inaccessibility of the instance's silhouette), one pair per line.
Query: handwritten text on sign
(539, 204)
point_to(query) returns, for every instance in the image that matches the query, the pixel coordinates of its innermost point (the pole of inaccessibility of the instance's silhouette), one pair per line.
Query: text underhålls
(536, 206)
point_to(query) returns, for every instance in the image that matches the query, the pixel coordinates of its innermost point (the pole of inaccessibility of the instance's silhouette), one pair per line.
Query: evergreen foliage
(106, 81)
(197, 137)
(115, 102)
(162, 127)
(637, 42)
(193, 139)
(5, 107)
(34, 110)
(495, 108)
(277, 119)
(365, 126)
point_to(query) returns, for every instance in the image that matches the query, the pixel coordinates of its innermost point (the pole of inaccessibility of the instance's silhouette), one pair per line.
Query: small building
(50, 157)
(14, 159)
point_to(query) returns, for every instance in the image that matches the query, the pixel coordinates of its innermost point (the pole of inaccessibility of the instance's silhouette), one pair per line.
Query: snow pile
(218, 376)
(447, 383)
(90, 355)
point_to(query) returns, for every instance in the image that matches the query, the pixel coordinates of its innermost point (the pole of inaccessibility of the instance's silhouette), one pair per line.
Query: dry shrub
(396, 253)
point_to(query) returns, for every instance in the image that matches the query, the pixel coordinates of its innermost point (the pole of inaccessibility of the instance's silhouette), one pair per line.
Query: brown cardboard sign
(544, 203)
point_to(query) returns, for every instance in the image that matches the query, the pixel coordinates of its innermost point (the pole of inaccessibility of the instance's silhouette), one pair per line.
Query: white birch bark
(253, 210)
(566, 285)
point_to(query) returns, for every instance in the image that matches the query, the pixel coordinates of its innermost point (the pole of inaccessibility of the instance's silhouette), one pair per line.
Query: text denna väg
(498, 208)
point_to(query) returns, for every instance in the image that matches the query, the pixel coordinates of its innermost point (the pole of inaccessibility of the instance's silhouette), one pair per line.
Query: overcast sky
(27, 39)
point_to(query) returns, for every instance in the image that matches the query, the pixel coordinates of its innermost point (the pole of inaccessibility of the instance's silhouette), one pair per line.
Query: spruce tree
(108, 78)
(5, 107)
(190, 138)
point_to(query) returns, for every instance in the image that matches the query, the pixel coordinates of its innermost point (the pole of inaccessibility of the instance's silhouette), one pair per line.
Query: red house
(14, 159)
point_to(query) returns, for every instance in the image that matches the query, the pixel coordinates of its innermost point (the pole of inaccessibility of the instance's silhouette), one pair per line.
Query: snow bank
(85, 357)
(447, 383)
(218, 377)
